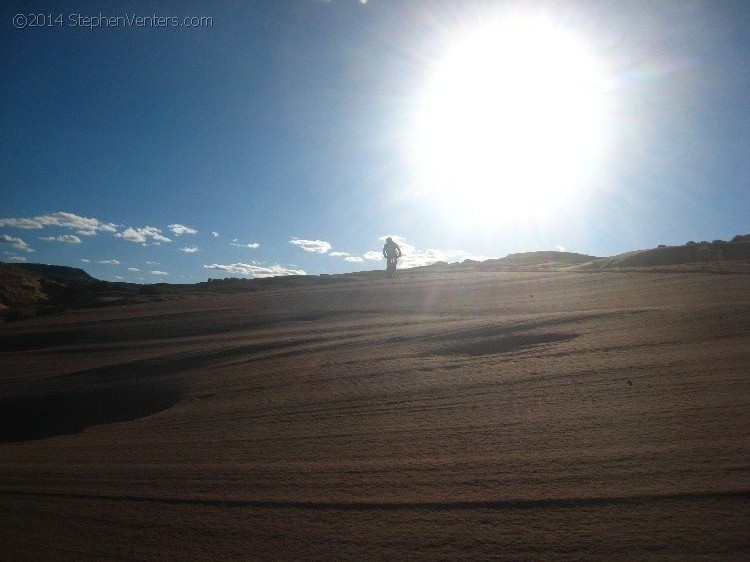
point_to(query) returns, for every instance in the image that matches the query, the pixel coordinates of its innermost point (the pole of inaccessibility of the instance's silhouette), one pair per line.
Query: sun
(509, 119)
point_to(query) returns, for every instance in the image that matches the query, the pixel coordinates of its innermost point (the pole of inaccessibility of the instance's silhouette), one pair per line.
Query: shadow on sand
(34, 417)
(505, 344)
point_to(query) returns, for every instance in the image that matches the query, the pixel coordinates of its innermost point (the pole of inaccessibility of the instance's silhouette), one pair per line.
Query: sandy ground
(518, 416)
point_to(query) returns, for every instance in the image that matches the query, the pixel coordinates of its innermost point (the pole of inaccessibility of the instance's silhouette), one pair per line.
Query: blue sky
(278, 137)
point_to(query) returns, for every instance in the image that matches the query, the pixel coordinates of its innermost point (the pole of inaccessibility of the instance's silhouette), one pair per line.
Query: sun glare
(509, 119)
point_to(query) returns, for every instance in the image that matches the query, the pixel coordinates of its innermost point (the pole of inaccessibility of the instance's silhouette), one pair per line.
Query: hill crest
(45, 287)
(58, 272)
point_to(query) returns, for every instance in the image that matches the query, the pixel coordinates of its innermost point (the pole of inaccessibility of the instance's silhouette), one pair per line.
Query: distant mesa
(31, 289)
(59, 272)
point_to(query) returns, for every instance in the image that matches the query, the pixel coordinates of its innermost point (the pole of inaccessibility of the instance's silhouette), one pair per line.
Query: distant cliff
(21, 287)
(30, 289)
(58, 272)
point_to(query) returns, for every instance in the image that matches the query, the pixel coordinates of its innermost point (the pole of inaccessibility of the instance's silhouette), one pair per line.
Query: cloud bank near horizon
(256, 270)
(84, 229)
(411, 255)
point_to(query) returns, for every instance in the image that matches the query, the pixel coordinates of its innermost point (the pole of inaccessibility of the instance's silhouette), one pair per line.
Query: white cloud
(406, 248)
(413, 257)
(109, 262)
(251, 246)
(189, 249)
(339, 254)
(152, 262)
(256, 270)
(157, 272)
(354, 259)
(418, 259)
(21, 223)
(215, 234)
(179, 229)
(560, 248)
(319, 246)
(141, 235)
(82, 225)
(395, 237)
(15, 242)
(134, 269)
(18, 258)
(373, 255)
(84, 260)
(131, 235)
(67, 238)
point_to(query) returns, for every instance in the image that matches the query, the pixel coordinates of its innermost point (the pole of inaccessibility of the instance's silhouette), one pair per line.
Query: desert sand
(559, 415)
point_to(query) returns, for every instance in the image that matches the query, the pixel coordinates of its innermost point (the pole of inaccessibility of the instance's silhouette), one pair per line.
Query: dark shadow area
(162, 326)
(34, 417)
(30, 341)
(521, 328)
(505, 344)
(448, 505)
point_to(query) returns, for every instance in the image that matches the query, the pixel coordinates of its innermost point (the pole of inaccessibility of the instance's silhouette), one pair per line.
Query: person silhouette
(391, 252)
